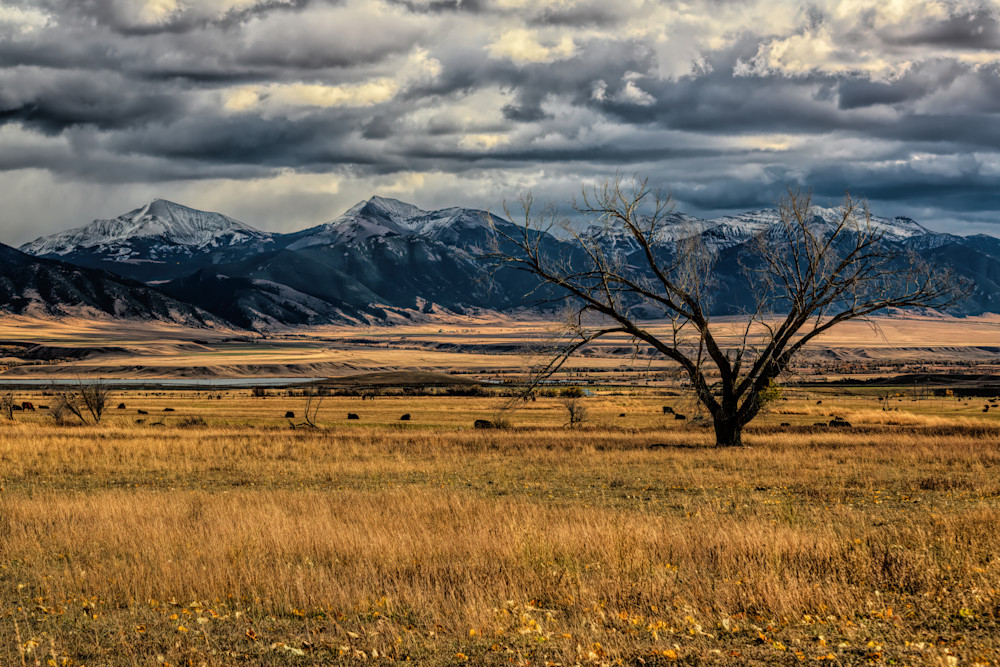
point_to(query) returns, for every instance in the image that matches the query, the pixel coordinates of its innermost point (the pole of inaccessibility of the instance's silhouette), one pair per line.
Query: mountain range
(383, 260)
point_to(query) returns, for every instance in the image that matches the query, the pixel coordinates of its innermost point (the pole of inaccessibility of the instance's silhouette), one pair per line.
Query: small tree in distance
(90, 398)
(806, 277)
(576, 410)
(7, 406)
(94, 396)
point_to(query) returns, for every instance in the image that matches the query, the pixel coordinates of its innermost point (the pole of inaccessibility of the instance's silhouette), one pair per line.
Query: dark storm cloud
(114, 91)
(581, 15)
(966, 30)
(442, 6)
(287, 48)
(52, 101)
(120, 15)
(250, 140)
(922, 80)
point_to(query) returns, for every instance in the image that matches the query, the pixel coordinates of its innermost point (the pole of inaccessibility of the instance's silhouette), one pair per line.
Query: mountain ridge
(37, 286)
(385, 255)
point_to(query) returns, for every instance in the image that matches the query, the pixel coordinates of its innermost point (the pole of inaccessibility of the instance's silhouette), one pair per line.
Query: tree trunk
(728, 432)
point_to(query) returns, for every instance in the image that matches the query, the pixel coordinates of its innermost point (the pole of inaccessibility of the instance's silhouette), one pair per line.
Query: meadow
(225, 536)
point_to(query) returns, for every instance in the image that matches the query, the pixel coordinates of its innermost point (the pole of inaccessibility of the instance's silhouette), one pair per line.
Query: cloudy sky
(283, 113)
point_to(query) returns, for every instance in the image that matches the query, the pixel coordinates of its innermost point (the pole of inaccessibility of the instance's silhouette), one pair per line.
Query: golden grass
(164, 351)
(247, 542)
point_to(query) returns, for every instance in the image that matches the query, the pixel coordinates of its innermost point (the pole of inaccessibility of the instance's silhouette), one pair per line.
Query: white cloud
(525, 46)
(21, 20)
(274, 98)
(633, 94)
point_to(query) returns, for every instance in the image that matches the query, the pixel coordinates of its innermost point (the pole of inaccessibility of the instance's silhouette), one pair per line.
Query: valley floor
(488, 348)
(214, 533)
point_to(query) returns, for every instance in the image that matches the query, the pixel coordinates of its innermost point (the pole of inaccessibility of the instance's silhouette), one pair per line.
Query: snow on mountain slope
(378, 216)
(732, 230)
(382, 216)
(158, 228)
(895, 229)
(613, 236)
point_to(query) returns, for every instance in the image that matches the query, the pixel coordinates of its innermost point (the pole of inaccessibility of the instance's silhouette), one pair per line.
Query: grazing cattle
(483, 423)
(16, 407)
(141, 412)
(678, 415)
(351, 415)
(819, 402)
(622, 414)
(785, 424)
(168, 409)
(27, 406)
(140, 421)
(405, 418)
(289, 415)
(840, 422)
(121, 406)
(667, 410)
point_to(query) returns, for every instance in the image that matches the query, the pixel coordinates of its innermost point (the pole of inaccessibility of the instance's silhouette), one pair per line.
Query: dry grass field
(477, 345)
(244, 541)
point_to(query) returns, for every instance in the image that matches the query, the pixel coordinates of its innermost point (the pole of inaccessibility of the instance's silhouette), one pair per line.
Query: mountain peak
(391, 209)
(160, 222)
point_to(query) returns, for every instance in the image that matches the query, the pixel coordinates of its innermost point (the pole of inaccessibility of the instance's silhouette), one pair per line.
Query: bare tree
(805, 275)
(91, 398)
(576, 409)
(7, 406)
(67, 404)
(313, 403)
(94, 396)
(311, 412)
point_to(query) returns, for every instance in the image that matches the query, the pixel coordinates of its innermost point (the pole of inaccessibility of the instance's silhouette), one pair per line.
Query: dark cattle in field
(168, 409)
(121, 406)
(840, 422)
(27, 406)
(785, 424)
(351, 415)
(483, 423)
(16, 407)
(819, 402)
(289, 415)
(622, 414)
(405, 418)
(667, 410)
(678, 415)
(141, 412)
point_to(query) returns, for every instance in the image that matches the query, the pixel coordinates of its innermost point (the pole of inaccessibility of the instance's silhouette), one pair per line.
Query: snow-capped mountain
(387, 256)
(382, 216)
(615, 239)
(732, 230)
(159, 230)
(378, 216)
